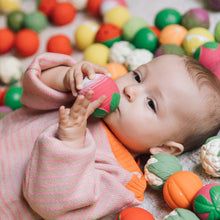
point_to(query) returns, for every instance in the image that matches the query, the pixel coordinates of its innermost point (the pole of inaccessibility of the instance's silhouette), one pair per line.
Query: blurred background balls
(117, 16)
(27, 42)
(59, 44)
(146, 39)
(131, 27)
(7, 39)
(169, 49)
(196, 17)
(97, 53)
(85, 34)
(166, 17)
(195, 38)
(173, 34)
(108, 34)
(15, 20)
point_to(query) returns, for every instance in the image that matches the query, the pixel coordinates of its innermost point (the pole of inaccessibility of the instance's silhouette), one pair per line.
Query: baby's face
(156, 99)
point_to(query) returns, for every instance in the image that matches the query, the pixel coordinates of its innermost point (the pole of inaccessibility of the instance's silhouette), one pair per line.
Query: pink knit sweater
(60, 182)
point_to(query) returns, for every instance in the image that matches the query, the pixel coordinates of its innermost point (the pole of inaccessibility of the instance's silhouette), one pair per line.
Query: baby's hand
(74, 77)
(73, 121)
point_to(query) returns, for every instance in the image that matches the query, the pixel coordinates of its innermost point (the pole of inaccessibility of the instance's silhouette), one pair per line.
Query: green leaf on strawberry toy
(114, 101)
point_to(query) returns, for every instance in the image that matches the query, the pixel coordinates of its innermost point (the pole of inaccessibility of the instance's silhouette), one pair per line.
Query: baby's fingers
(80, 107)
(63, 115)
(90, 70)
(95, 104)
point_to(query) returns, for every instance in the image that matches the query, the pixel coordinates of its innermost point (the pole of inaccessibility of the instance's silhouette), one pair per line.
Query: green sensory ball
(166, 17)
(15, 20)
(131, 27)
(146, 39)
(36, 21)
(13, 96)
(217, 32)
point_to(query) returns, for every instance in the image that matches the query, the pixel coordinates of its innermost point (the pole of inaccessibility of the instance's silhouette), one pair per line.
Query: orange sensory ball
(26, 42)
(46, 6)
(180, 189)
(173, 34)
(63, 13)
(7, 39)
(116, 69)
(134, 213)
(59, 44)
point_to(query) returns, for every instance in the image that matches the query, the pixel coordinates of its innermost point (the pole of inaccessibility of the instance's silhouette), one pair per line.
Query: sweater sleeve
(36, 94)
(67, 183)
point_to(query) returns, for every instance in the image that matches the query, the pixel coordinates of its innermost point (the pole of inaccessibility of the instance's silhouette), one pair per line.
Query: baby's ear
(170, 147)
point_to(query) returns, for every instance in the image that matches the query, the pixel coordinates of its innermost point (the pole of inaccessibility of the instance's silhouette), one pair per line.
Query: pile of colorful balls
(120, 43)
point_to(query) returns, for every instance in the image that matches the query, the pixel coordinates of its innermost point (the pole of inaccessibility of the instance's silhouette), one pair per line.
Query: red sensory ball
(93, 7)
(26, 42)
(107, 32)
(7, 38)
(46, 6)
(63, 13)
(59, 44)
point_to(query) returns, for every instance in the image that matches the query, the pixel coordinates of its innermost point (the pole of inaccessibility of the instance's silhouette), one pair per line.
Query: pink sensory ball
(107, 5)
(206, 203)
(102, 85)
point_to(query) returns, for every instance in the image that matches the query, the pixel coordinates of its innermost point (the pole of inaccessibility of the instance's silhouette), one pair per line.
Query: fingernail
(93, 76)
(109, 74)
(79, 86)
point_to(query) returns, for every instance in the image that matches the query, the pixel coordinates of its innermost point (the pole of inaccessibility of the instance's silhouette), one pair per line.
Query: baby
(82, 167)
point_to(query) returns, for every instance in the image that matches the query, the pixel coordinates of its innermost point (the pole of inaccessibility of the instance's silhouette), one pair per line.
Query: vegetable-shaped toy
(209, 55)
(159, 167)
(10, 69)
(180, 189)
(108, 34)
(137, 58)
(134, 213)
(210, 156)
(103, 85)
(207, 202)
(120, 51)
(181, 214)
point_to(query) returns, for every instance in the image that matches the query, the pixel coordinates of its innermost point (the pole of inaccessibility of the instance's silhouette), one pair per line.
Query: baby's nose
(130, 93)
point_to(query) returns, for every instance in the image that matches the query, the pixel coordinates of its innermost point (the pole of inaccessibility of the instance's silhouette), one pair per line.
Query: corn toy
(102, 85)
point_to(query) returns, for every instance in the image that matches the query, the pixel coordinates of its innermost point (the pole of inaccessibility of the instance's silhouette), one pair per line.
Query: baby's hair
(208, 125)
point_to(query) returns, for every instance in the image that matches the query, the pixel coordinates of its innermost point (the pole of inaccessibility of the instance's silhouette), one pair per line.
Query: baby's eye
(151, 104)
(137, 77)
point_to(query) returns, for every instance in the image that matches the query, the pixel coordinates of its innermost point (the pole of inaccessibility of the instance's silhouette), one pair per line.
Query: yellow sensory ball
(117, 16)
(173, 34)
(7, 6)
(195, 38)
(97, 53)
(85, 34)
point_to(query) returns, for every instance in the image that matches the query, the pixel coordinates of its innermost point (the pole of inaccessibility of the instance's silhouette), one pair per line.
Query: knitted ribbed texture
(60, 182)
